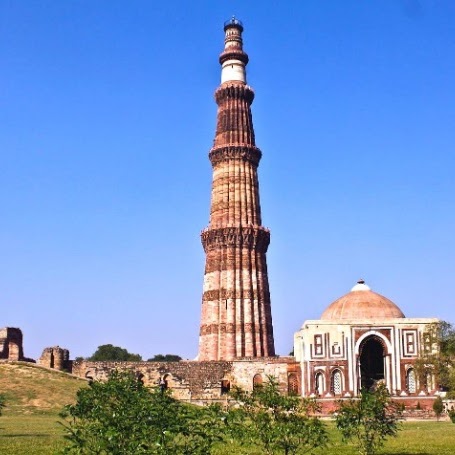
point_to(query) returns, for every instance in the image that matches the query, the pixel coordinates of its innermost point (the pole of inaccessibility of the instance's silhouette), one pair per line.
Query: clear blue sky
(106, 119)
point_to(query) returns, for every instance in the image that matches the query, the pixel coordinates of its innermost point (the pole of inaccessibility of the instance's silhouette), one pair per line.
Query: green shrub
(369, 420)
(123, 417)
(438, 407)
(275, 422)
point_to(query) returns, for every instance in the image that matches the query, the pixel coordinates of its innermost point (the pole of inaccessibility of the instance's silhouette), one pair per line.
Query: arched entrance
(372, 370)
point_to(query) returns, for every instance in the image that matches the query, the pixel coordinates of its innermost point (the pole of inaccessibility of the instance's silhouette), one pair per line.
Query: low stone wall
(414, 408)
(194, 380)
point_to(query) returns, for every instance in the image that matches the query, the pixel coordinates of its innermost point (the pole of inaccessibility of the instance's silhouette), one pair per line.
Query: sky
(107, 116)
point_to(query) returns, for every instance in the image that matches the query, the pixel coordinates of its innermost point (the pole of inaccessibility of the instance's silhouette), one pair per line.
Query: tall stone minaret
(236, 316)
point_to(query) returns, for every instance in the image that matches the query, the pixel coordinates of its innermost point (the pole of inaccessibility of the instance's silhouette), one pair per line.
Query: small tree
(122, 417)
(369, 420)
(438, 407)
(165, 358)
(279, 423)
(437, 357)
(451, 413)
(110, 353)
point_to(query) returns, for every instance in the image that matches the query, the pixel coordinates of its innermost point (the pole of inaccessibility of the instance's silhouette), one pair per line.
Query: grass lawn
(30, 434)
(34, 396)
(40, 433)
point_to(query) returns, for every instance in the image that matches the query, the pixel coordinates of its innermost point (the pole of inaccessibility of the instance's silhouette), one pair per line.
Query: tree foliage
(438, 356)
(369, 420)
(165, 358)
(110, 353)
(278, 423)
(438, 407)
(123, 417)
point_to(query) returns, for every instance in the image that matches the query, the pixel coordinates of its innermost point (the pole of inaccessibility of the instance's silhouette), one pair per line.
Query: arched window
(319, 383)
(90, 375)
(257, 380)
(411, 381)
(164, 382)
(293, 384)
(336, 385)
(225, 387)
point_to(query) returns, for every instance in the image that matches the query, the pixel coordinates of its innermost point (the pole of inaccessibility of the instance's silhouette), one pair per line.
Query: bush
(369, 420)
(276, 422)
(123, 417)
(438, 407)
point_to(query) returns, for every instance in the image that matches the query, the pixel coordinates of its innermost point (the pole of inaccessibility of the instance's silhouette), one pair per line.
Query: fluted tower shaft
(236, 316)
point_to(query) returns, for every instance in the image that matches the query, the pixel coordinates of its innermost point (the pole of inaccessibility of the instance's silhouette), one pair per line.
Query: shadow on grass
(26, 435)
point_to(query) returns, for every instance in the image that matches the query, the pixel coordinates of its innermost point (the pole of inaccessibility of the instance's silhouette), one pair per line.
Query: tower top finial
(233, 59)
(233, 22)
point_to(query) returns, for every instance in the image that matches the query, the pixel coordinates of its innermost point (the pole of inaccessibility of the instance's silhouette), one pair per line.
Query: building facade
(361, 339)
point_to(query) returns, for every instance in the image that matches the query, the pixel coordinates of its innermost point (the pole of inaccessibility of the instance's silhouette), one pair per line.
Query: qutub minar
(236, 316)
(360, 339)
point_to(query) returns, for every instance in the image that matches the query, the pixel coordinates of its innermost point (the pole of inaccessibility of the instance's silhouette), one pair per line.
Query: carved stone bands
(234, 91)
(234, 54)
(207, 329)
(235, 152)
(224, 294)
(252, 238)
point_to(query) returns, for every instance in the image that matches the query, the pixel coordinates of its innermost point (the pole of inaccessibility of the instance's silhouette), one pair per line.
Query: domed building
(362, 338)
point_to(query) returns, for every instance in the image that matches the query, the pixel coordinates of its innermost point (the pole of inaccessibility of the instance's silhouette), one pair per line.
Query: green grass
(35, 396)
(41, 434)
(416, 438)
(29, 389)
(37, 434)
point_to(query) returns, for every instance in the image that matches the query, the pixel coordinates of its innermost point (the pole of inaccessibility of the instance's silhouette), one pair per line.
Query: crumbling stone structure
(55, 357)
(11, 344)
(201, 382)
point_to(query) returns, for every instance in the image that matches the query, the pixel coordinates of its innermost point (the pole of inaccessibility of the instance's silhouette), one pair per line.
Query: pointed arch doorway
(372, 355)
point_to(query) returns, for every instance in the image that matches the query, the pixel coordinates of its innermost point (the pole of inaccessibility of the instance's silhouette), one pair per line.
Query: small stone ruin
(55, 357)
(11, 344)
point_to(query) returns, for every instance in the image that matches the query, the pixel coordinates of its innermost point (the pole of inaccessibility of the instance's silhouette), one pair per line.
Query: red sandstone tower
(236, 316)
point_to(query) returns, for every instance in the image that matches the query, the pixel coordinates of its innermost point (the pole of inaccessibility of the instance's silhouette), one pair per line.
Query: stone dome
(362, 303)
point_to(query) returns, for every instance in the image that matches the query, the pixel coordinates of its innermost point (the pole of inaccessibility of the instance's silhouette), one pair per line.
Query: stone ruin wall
(56, 358)
(193, 380)
(11, 344)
